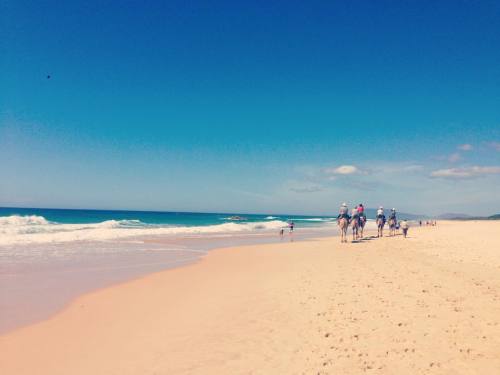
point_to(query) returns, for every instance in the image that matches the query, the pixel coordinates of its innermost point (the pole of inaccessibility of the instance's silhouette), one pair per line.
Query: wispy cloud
(306, 189)
(465, 147)
(453, 158)
(395, 168)
(467, 172)
(343, 170)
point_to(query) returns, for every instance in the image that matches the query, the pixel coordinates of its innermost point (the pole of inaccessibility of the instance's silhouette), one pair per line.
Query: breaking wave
(36, 229)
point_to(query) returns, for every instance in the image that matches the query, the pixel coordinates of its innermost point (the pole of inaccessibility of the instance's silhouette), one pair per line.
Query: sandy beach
(428, 304)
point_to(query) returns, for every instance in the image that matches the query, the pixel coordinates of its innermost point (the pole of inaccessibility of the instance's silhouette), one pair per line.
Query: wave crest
(17, 220)
(36, 229)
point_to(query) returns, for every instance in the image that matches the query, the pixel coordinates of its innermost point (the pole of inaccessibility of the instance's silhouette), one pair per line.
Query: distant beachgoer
(282, 232)
(420, 222)
(404, 226)
(291, 225)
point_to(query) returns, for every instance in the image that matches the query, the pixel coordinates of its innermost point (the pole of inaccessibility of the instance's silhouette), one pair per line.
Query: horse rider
(380, 213)
(361, 211)
(343, 212)
(392, 216)
(355, 215)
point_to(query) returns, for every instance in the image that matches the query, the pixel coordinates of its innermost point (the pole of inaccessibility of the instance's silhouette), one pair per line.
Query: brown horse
(362, 223)
(355, 228)
(343, 224)
(392, 227)
(380, 227)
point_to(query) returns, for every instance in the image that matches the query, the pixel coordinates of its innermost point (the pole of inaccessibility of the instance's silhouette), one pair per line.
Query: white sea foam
(36, 229)
(271, 217)
(16, 220)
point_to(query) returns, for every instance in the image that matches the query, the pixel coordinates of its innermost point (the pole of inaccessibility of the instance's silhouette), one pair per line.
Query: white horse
(343, 223)
(355, 228)
(380, 226)
(392, 227)
(362, 223)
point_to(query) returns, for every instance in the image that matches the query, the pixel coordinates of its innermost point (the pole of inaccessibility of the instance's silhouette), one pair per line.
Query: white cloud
(453, 158)
(465, 147)
(343, 170)
(467, 172)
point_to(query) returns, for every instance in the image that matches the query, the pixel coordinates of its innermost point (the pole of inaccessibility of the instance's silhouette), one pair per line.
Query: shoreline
(423, 304)
(34, 296)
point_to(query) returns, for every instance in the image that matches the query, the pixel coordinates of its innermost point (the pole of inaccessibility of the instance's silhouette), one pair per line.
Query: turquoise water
(41, 225)
(71, 216)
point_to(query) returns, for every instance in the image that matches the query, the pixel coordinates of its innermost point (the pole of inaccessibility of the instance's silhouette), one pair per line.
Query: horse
(380, 226)
(392, 227)
(362, 223)
(355, 228)
(343, 223)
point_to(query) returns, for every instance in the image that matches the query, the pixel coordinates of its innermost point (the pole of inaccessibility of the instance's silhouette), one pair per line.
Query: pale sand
(427, 304)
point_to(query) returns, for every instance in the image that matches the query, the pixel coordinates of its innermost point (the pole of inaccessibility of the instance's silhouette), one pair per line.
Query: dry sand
(428, 304)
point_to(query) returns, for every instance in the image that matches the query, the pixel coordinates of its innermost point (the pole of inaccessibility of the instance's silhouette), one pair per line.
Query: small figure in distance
(404, 226)
(282, 232)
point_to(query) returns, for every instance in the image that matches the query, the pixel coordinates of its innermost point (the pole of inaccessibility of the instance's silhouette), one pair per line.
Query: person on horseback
(355, 215)
(343, 212)
(380, 213)
(361, 211)
(392, 216)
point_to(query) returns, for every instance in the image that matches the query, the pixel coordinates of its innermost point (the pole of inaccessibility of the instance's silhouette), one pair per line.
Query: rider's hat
(381, 207)
(344, 204)
(393, 209)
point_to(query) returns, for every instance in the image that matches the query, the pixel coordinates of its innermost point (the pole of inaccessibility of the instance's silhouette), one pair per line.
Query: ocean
(42, 225)
(48, 257)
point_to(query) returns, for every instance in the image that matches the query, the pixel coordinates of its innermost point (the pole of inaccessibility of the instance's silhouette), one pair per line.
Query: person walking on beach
(404, 226)
(282, 233)
(291, 225)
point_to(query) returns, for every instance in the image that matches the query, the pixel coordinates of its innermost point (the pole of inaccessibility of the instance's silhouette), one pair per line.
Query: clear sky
(259, 106)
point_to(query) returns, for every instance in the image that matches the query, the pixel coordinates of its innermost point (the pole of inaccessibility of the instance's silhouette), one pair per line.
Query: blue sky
(256, 106)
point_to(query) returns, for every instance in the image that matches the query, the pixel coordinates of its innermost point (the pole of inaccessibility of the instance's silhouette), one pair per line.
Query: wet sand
(44, 279)
(426, 304)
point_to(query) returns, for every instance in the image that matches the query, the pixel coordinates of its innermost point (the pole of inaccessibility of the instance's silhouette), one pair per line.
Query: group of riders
(357, 220)
(358, 214)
